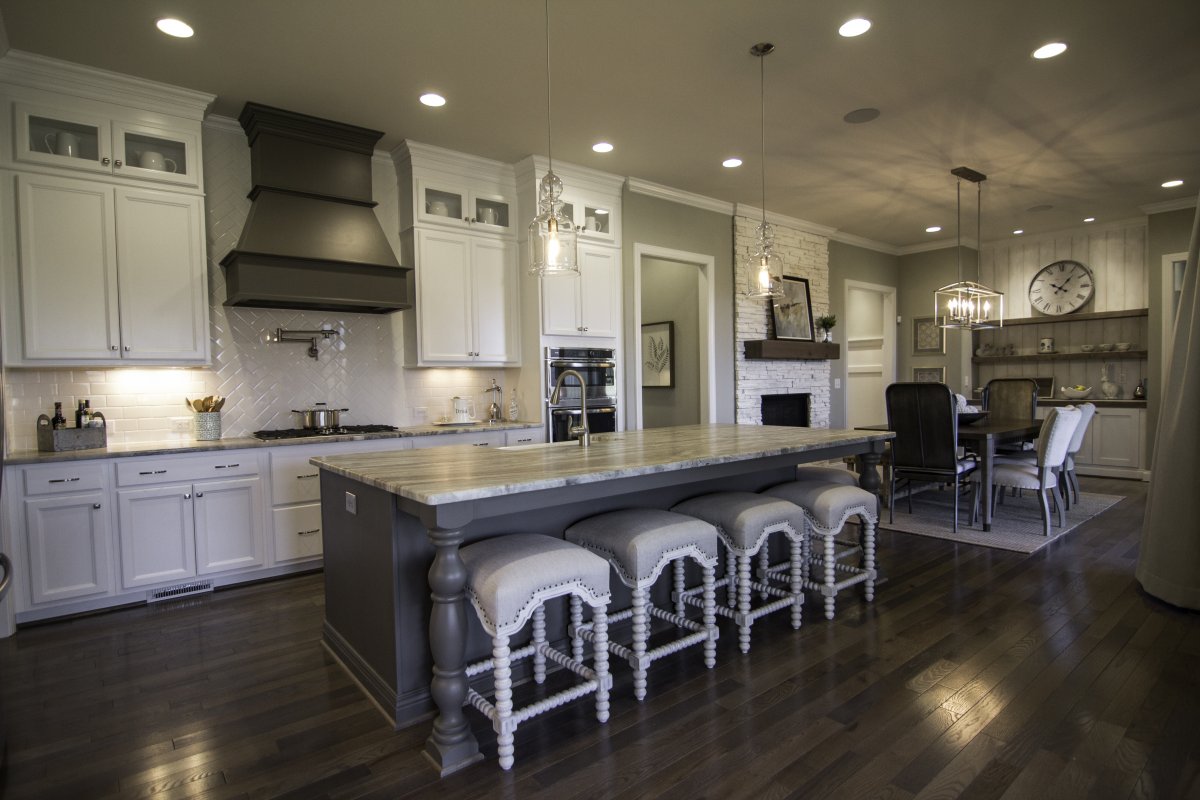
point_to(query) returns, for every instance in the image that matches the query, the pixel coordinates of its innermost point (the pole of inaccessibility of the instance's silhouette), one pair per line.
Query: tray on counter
(52, 440)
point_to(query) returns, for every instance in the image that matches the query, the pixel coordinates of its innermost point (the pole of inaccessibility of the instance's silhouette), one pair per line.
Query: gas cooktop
(306, 433)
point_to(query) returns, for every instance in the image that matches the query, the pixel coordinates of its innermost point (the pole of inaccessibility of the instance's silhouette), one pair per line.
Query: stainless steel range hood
(312, 240)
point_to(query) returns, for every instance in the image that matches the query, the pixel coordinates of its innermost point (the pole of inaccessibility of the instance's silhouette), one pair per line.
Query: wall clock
(1061, 287)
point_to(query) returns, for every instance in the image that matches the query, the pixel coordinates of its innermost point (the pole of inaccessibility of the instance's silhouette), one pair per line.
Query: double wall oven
(598, 366)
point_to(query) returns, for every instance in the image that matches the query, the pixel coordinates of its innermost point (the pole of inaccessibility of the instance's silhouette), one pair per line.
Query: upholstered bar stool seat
(826, 507)
(842, 477)
(744, 521)
(639, 543)
(509, 578)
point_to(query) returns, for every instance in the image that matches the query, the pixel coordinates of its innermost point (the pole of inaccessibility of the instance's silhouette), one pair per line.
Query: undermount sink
(548, 445)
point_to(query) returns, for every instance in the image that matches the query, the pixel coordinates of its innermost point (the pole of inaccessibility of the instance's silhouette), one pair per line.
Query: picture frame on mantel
(929, 374)
(929, 339)
(792, 313)
(658, 355)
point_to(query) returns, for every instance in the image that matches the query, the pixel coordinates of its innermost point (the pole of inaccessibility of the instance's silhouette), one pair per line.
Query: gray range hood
(312, 240)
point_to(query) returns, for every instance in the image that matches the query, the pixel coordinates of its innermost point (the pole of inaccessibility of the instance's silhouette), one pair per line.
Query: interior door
(870, 351)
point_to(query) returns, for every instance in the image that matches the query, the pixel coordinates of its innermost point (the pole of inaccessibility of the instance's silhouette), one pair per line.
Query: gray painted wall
(921, 274)
(848, 262)
(1167, 233)
(662, 223)
(671, 293)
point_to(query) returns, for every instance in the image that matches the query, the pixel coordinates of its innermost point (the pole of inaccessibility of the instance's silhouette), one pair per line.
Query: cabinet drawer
(294, 480)
(138, 472)
(66, 477)
(481, 439)
(297, 532)
(526, 436)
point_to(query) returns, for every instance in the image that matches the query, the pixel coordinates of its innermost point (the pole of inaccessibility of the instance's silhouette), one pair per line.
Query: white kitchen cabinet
(525, 436)
(588, 305)
(228, 524)
(476, 438)
(75, 139)
(110, 275)
(483, 207)
(158, 534)
(596, 218)
(466, 299)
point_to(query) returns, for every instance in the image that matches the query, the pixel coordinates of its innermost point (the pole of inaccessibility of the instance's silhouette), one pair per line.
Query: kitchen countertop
(187, 445)
(457, 474)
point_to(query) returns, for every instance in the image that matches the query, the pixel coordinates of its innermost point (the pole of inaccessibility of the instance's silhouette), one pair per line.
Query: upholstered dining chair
(1067, 470)
(1042, 474)
(925, 419)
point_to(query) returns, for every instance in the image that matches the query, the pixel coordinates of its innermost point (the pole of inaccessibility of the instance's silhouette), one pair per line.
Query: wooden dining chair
(925, 419)
(1011, 399)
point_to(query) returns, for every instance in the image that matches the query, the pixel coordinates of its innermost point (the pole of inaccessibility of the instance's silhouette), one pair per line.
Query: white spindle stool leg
(764, 565)
(539, 639)
(710, 616)
(868, 528)
(731, 581)
(600, 660)
(502, 675)
(743, 594)
(640, 635)
(797, 582)
(677, 566)
(576, 622)
(830, 579)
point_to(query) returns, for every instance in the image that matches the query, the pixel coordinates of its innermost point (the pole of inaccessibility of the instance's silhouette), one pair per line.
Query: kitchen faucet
(585, 437)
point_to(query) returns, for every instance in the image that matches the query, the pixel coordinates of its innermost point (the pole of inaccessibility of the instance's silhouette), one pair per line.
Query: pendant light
(966, 304)
(552, 235)
(763, 267)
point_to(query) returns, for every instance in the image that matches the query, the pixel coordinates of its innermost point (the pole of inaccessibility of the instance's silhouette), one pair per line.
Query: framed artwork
(793, 312)
(929, 374)
(658, 355)
(928, 338)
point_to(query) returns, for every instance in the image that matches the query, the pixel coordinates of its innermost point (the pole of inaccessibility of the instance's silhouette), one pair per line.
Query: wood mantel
(789, 349)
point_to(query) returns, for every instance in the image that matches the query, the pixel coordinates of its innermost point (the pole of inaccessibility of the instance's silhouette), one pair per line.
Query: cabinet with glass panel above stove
(455, 190)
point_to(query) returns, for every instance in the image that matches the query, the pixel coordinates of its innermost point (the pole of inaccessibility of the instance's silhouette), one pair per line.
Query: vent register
(311, 240)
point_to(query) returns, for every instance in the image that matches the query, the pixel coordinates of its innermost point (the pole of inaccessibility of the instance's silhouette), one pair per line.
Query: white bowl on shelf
(1074, 394)
(1105, 348)
(1087, 348)
(1123, 346)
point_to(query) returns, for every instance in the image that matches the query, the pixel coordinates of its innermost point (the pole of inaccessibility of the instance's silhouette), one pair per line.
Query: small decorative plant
(826, 324)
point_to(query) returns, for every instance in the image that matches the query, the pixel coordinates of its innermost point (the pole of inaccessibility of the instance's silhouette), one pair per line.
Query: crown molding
(224, 124)
(532, 167)
(743, 210)
(90, 83)
(1169, 205)
(463, 165)
(865, 243)
(940, 244)
(657, 190)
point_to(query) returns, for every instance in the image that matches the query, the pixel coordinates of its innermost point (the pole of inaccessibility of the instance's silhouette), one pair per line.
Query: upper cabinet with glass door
(482, 208)
(79, 141)
(452, 189)
(593, 218)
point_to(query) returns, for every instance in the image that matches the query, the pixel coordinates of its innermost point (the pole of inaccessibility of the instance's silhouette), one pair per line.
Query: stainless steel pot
(320, 417)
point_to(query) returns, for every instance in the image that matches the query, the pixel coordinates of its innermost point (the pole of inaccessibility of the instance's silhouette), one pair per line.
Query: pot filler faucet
(585, 437)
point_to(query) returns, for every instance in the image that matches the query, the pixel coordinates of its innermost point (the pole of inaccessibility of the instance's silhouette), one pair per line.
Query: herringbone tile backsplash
(360, 369)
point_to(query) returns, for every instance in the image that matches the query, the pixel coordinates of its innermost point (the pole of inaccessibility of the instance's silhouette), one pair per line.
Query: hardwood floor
(975, 674)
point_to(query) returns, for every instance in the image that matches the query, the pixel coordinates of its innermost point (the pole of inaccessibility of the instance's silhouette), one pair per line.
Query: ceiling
(672, 85)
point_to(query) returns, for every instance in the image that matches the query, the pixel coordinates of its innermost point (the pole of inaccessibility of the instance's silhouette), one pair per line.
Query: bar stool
(509, 578)
(843, 477)
(639, 543)
(743, 521)
(826, 507)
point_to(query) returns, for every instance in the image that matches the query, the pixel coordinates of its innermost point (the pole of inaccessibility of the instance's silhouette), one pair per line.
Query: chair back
(1055, 436)
(1010, 398)
(1086, 412)
(925, 419)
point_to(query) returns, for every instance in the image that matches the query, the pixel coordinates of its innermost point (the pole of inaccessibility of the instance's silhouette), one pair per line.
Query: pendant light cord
(549, 150)
(762, 103)
(958, 216)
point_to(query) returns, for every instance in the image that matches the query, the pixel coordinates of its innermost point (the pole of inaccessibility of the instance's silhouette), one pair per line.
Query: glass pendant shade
(968, 305)
(552, 236)
(764, 270)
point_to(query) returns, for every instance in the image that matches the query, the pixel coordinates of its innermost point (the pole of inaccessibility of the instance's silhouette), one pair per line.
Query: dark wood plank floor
(975, 674)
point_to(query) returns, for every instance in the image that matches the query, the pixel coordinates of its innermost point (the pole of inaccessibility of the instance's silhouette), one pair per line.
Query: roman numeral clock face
(1061, 287)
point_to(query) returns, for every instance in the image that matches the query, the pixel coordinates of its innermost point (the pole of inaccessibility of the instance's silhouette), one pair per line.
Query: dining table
(982, 437)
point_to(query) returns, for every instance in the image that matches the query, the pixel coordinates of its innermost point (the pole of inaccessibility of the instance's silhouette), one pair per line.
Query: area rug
(1016, 524)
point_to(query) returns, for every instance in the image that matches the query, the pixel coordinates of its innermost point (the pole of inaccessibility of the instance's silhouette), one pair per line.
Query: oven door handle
(584, 364)
(575, 412)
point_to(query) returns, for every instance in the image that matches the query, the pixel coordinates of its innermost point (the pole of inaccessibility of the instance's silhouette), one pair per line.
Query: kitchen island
(393, 522)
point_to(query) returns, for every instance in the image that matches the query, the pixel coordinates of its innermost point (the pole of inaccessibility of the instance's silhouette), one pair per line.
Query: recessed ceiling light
(1018, 232)
(1171, 184)
(174, 27)
(1089, 219)
(934, 229)
(433, 99)
(731, 162)
(855, 27)
(1050, 50)
(602, 147)
(861, 115)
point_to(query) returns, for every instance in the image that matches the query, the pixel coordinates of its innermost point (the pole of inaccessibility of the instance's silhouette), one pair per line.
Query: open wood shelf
(788, 349)
(1090, 315)
(1112, 355)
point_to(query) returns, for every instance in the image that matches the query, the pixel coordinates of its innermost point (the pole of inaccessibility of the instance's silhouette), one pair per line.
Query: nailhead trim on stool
(744, 520)
(509, 578)
(826, 508)
(639, 543)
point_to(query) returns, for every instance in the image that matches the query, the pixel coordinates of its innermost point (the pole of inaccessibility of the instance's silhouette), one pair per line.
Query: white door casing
(870, 311)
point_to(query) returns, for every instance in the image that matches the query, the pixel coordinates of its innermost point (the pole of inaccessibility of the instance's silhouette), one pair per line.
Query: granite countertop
(456, 474)
(188, 445)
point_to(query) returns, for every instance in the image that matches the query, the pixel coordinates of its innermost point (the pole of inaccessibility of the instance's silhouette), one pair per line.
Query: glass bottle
(58, 421)
(514, 411)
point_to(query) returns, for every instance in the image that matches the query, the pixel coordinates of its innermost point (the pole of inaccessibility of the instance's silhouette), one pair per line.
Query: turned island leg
(451, 746)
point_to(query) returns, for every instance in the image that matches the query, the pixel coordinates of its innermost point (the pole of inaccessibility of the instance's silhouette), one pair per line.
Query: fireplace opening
(786, 409)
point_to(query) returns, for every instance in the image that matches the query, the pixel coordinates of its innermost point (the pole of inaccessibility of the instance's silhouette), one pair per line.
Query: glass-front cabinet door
(63, 139)
(492, 211)
(591, 219)
(449, 204)
(155, 154)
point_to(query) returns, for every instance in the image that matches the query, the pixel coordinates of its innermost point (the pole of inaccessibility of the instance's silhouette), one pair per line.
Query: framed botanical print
(793, 312)
(658, 355)
(929, 374)
(928, 338)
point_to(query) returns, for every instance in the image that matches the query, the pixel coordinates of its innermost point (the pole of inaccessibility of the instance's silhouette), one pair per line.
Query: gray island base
(395, 608)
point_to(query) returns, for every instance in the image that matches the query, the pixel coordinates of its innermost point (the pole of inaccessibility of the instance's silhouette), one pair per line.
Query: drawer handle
(522, 441)
(96, 506)
(226, 466)
(154, 472)
(187, 496)
(314, 475)
(63, 480)
(306, 533)
(199, 494)
(481, 444)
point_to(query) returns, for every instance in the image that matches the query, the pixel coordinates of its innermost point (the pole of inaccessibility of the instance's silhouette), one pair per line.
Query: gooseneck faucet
(581, 430)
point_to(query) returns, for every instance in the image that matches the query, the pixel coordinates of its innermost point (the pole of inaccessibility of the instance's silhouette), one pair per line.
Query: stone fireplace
(786, 409)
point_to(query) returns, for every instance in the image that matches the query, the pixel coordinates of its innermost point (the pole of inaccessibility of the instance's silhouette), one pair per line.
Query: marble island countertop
(457, 474)
(186, 444)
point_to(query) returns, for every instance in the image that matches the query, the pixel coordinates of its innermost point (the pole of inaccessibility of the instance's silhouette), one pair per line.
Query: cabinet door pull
(199, 494)
(306, 533)
(127, 348)
(187, 496)
(112, 347)
(63, 480)
(481, 444)
(96, 506)
(118, 163)
(153, 472)
(106, 161)
(302, 477)
(226, 466)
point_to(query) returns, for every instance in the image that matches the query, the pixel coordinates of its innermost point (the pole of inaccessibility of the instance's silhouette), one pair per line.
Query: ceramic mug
(463, 408)
(439, 208)
(1046, 345)
(65, 144)
(589, 224)
(151, 159)
(487, 216)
